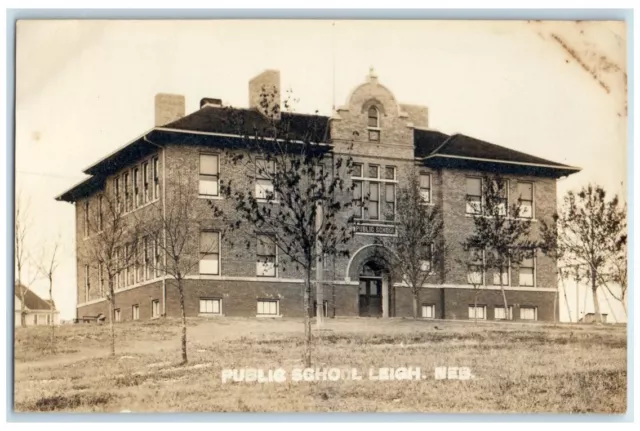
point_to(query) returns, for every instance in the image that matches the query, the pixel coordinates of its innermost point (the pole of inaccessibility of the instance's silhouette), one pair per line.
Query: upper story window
(502, 198)
(264, 174)
(266, 255)
(145, 182)
(425, 187)
(209, 252)
(373, 123)
(100, 213)
(475, 274)
(373, 117)
(474, 195)
(116, 194)
(525, 196)
(209, 175)
(136, 187)
(527, 272)
(86, 219)
(127, 192)
(156, 179)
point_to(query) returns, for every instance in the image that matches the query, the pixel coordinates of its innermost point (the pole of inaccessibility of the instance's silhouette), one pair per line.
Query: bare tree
(474, 264)
(111, 246)
(417, 249)
(590, 234)
(617, 274)
(297, 196)
(500, 231)
(21, 255)
(168, 235)
(47, 265)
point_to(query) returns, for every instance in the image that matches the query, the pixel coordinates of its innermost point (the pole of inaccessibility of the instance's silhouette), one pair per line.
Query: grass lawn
(516, 367)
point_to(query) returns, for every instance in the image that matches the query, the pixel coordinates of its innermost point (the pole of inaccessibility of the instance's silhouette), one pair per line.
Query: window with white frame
(210, 252)
(325, 308)
(265, 170)
(499, 314)
(357, 189)
(100, 213)
(475, 274)
(389, 193)
(427, 265)
(209, 175)
(268, 307)
(155, 308)
(501, 189)
(156, 255)
(135, 312)
(156, 179)
(266, 255)
(116, 194)
(86, 219)
(477, 311)
(127, 192)
(500, 274)
(87, 283)
(136, 187)
(373, 123)
(116, 315)
(373, 203)
(146, 258)
(474, 195)
(428, 311)
(425, 187)
(129, 270)
(145, 182)
(528, 313)
(117, 260)
(210, 306)
(525, 199)
(527, 271)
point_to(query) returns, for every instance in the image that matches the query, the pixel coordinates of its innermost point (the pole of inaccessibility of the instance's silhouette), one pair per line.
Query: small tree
(499, 230)
(296, 195)
(22, 223)
(475, 268)
(110, 248)
(170, 231)
(617, 274)
(590, 234)
(418, 247)
(47, 266)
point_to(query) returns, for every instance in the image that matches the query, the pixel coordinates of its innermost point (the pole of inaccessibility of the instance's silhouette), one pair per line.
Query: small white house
(38, 311)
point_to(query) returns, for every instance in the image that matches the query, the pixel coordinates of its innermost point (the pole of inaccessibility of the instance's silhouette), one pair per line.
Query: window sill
(213, 198)
(471, 215)
(266, 201)
(154, 318)
(269, 316)
(210, 315)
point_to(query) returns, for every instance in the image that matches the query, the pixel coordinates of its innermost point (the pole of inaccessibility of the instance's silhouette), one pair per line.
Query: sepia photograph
(320, 215)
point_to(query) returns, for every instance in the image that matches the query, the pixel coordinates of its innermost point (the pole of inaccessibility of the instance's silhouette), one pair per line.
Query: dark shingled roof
(232, 121)
(31, 300)
(466, 146)
(426, 141)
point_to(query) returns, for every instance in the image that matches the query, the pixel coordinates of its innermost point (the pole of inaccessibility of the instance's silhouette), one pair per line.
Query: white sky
(85, 88)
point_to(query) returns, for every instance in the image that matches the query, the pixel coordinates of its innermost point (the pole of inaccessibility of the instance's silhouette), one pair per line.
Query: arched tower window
(374, 117)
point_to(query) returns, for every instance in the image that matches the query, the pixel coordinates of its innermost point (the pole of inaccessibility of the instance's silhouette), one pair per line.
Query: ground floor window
(428, 311)
(325, 308)
(135, 312)
(477, 312)
(268, 307)
(210, 306)
(116, 315)
(499, 313)
(528, 313)
(155, 308)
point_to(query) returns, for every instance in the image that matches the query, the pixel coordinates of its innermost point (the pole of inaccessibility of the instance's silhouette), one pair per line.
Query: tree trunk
(307, 319)
(112, 306)
(23, 312)
(184, 322)
(53, 309)
(415, 305)
(596, 303)
(475, 306)
(504, 298)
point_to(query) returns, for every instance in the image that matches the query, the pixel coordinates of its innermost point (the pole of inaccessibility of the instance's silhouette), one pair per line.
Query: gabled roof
(31, 300)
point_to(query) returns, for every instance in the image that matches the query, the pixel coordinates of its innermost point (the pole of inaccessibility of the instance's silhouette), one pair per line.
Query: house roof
(220, 126)
(31, 300)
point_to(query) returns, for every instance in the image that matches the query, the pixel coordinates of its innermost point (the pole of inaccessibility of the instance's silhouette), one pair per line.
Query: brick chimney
(267, 82)
(169, 108)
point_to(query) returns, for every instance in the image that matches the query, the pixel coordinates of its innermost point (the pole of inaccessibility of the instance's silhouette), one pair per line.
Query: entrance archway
(370, 266)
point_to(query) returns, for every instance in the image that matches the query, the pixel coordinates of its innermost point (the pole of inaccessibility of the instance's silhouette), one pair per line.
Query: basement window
(428, 311)
(268, 307)
(477, 312)
(499, 313)
(155, 308)
(528, 313)
(210, 306)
